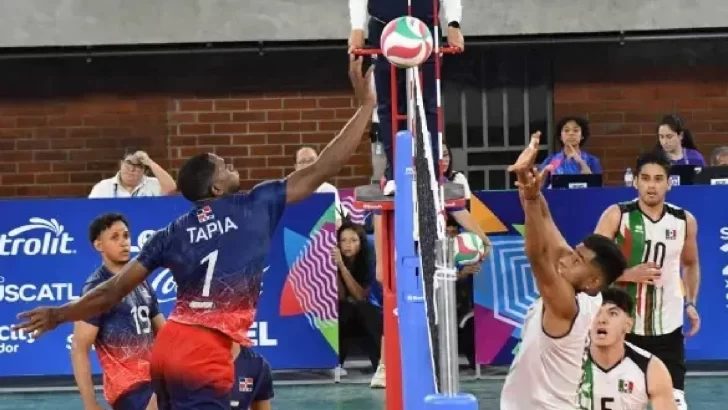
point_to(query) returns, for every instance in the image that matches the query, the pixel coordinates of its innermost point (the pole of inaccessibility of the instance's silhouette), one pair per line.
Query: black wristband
(454, 24)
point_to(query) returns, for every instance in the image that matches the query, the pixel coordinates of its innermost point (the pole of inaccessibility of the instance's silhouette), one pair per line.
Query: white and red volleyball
(406, 42)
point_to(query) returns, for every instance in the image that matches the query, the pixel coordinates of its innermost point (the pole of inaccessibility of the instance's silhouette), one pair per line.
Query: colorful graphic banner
(45, 258)
(505, 287)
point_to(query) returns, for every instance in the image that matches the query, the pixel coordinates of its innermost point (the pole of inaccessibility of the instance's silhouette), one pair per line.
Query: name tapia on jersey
(212, 229)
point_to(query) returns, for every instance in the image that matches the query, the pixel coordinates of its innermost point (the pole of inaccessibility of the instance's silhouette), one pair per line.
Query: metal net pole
(445, 278)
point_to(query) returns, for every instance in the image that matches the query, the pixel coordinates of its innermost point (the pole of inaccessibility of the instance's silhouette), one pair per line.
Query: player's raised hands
(530, 182)
(38, 321)
(361, 82)
(527, 158)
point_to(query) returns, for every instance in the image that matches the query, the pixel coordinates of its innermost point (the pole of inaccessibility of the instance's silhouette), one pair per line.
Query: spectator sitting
(461, 215)
(130, 181)
(360, 311)
(677, 142)
(306, 156)
(571, 160)
(719, 157)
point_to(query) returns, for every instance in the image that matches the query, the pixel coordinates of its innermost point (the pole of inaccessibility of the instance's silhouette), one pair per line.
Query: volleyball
(406, 42)
(469, 249)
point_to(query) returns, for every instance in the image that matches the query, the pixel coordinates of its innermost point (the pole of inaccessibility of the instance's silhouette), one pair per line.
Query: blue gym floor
(703, 393)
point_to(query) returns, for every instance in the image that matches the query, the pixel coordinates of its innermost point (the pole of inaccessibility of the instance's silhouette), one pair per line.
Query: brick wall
(623, 104)
(65, 123)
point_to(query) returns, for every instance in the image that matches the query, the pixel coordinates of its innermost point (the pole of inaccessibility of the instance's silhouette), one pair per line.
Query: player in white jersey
(658, 240)
(546, 372)
(618, 375)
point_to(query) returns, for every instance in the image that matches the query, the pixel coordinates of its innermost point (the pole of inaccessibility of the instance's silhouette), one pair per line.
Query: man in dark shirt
(123, 336)
(217, 253)
(380, 13)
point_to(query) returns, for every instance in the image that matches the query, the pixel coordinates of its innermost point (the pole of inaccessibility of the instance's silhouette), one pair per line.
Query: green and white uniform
(658, 307)
(623, 387)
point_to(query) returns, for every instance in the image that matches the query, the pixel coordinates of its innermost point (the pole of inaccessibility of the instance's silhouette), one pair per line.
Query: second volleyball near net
(469, 249)
(406, 42)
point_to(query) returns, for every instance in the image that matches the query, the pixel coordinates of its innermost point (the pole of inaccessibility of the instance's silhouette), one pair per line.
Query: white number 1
(211, 260)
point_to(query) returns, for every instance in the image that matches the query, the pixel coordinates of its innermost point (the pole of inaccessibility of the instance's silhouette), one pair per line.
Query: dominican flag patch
(205, 214)
(245, 384)
(670, 234)
(625, 386)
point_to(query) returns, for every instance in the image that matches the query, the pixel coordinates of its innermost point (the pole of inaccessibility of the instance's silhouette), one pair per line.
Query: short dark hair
(104, 222)
(619, 298)
(608, 257)
(656, 157)
(581, 122)
(195, 177)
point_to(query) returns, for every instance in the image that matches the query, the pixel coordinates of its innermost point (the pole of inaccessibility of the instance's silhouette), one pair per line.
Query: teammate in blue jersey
(216, 253)
(253, 387)
(122, 336)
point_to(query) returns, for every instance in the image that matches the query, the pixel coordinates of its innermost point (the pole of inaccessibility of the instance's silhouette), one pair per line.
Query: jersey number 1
(211, 260)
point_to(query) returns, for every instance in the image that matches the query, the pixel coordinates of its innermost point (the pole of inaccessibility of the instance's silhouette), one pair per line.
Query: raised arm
(659, 386)
(305, 181)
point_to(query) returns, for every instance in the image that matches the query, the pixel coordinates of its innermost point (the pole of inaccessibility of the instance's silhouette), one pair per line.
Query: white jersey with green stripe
(546, 371)
(622, 387)
(658, 307)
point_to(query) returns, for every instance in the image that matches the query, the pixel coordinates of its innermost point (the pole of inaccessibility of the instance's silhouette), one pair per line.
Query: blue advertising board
(45, 258)
(505, 287)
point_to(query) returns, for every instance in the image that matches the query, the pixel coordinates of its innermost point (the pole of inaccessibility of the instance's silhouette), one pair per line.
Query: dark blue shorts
(135, 399)
(253, 380)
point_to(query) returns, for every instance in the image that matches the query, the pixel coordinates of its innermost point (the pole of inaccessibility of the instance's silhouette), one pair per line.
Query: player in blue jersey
(123, 336)
(253, 387)
(217, 253)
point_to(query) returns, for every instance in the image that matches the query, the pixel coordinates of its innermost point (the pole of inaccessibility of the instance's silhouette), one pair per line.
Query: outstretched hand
(38, 321)
(527, 158)
(530, 182)
(361, 83)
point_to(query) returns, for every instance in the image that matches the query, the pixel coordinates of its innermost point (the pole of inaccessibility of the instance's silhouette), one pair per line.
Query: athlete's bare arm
(261, 405)
(95, 302)
(543, 244)
(691, 272)
(303, 182)
(84, 336)
(659, 386)
(608, 224)
(157, 323)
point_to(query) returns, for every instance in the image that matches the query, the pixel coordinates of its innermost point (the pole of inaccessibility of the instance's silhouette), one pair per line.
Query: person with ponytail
(677, 142)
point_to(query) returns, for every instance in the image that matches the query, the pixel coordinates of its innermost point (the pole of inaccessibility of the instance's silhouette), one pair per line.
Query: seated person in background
(677, 142)
(131, 181)
(461, 215)
(571, 160)
(253, 384)
(306, 156)
(719, 157)
(360, 311)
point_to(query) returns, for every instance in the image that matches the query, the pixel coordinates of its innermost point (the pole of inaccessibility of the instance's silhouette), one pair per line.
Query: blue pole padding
(418, 375)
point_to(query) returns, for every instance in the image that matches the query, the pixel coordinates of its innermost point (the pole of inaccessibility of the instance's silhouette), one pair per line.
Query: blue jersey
(254, 381)
(125, 337)
(217, 254)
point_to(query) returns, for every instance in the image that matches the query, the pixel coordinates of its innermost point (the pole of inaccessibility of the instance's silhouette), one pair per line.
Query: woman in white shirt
(131, 181)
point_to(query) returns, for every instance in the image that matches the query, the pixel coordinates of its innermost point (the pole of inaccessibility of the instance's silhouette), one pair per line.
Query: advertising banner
(505, 287)
(46, 257)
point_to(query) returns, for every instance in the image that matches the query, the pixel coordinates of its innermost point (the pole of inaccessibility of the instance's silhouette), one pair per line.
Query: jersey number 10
(655, 252)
